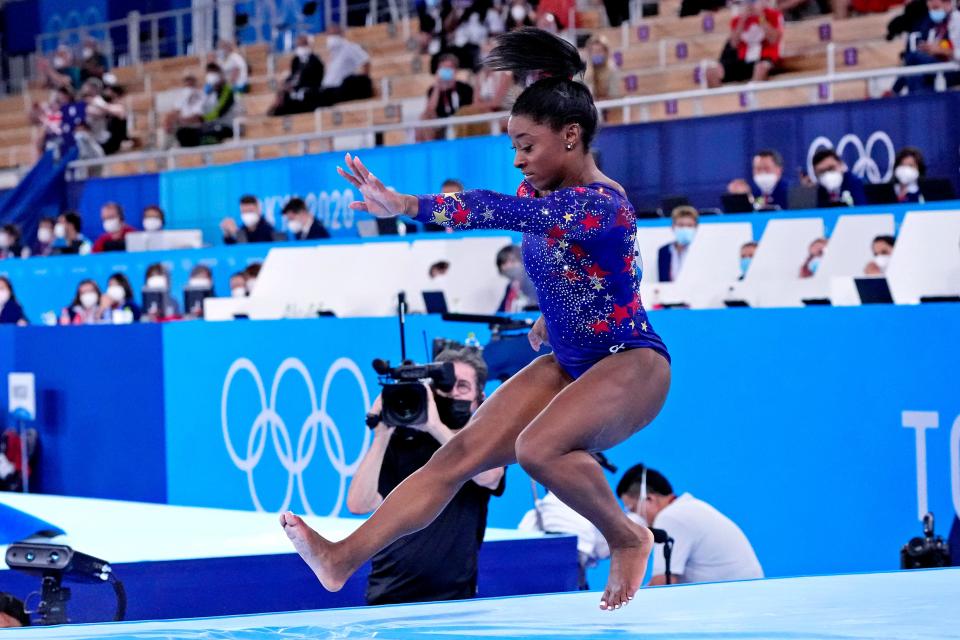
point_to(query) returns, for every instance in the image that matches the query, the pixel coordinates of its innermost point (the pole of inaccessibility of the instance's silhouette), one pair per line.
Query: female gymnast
(609, 372)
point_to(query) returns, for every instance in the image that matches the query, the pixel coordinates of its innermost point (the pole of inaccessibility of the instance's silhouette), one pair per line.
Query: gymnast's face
(541, 152)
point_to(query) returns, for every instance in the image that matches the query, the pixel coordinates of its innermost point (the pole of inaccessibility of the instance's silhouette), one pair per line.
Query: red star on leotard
(570, 275)
(595, 271)
(590, 221)
(600, 326)
(634, 304)
(439, 199)
(461, 215)
(624, 219)
(556, 232)
(579, 190)
(620, 313)
(578, 251)
(627, 264)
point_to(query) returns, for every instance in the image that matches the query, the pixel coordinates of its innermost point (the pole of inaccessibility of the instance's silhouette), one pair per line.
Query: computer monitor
(736, 203)
(435, 301)
(934, 189)
(193, 298)
(164, 240)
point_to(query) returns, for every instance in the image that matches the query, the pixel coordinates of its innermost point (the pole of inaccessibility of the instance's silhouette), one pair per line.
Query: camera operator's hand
(434, 426)
(538, 334)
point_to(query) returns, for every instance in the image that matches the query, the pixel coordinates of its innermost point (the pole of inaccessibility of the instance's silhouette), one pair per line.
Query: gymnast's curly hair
(548, 66)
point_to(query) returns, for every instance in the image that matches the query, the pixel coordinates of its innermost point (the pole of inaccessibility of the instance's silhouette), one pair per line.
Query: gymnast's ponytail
(548, 66)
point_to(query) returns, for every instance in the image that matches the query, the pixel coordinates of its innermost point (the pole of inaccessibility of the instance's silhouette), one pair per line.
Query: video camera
(404, 396)
(927, 552)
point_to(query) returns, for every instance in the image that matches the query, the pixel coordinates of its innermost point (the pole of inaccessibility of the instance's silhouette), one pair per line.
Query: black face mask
(453, 413)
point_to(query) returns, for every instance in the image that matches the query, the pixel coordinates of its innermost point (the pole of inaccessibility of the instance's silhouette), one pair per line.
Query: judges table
(178, 562)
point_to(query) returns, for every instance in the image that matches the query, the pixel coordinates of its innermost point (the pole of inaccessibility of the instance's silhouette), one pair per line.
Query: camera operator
(708, 546)
(12, 613)
(439, 562)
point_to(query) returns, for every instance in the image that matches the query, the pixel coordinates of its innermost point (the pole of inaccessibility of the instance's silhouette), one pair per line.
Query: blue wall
(789, 421)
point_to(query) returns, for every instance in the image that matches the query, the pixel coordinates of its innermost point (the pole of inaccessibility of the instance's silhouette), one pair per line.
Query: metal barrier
(165, 160)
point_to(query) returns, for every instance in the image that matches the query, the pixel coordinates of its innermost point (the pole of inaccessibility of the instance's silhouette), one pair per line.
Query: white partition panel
(850, 246)
(649, 241)
(926, 258)
(474, 285)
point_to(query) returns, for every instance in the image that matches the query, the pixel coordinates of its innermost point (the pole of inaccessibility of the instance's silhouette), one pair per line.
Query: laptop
(873, 290)
(163, 240)
(736, 203)
(435, 301)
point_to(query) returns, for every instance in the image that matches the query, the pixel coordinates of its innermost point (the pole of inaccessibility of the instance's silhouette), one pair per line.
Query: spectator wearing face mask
(347, 73)
(160, 305)
(520, 295)
(238, 285)
(118, 304)
(60, 70)
(188, 110)
(153, 218)
(882, 252)
(115, 229)
(671, 256)
(219, 104)
(445, 96)
(43, 245)
(234, 65)
(201, 280)
(301, 89)
(910, 167)
(94, 64)
(935, 38)
(602, 76)
(814, 258)
(770, 188)
(747, 251)
(10, 310)
(838, 187)
(753, 50)
(254, 228)
(519, 14)
(301, 223)
(85, 306)
(10, 246)
(252, 272)
(67, 238)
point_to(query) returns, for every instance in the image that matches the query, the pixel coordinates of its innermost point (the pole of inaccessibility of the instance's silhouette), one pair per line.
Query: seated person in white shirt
(708, 546)
(671, 256)
(188, 111)
(347, 74)
(234, 66)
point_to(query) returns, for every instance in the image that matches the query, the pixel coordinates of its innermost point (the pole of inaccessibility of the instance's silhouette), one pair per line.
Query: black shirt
(439, 562)
(460, 95)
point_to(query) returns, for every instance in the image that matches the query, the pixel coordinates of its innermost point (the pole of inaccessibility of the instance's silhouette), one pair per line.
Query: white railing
(165, 160)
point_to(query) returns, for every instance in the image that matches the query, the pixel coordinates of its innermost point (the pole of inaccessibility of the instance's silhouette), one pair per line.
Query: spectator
(10, 246)
(882, 252)
(439, 562)
(105, 118)
(914, 12)
(445, 96)
(254, 229)
(68, 239)
(837, 186)
(520, 14)
(301, 89)
(12, 612)
(602, 76)
(739, 186)
(153, 218)
(49, 118)
(520, 295)
(94, 63)
(910, 167)
(770, 188)
(115, 230)
(43, 245)
(236, 71)
(115, 113)
(83, 123)
(935, 38)
(252, 272)
(671, 256)
(347, 75)
(753, 50)
(747, 251)
(218, 108)
(618, 11)
(814, 258)
(708, 546)
(84, 309)
(60, 70)
(238, 285)
(451, 185)
(118, 304)
(189, 107)
(434, 16)
(438, 269)
(301, 223)
(158, 304)
(10, 310)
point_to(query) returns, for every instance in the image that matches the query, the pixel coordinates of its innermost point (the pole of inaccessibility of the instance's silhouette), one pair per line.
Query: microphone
(659, 535)
(381, 366)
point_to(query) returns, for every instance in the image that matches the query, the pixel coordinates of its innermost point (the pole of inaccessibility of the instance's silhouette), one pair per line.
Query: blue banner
(200, 198)
(698, 157)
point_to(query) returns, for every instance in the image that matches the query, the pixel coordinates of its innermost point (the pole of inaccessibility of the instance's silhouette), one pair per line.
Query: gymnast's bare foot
(628, 564)
(319, 554)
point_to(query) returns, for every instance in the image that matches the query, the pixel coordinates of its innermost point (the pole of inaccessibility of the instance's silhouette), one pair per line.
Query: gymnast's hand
(538, 334)
(377, 198)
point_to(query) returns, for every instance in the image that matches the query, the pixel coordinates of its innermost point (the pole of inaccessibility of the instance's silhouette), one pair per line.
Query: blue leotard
(579, 250)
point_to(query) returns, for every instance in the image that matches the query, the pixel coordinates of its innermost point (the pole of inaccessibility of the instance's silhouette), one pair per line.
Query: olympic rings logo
(865, 166)
(295, 462)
